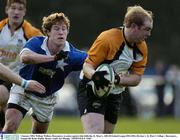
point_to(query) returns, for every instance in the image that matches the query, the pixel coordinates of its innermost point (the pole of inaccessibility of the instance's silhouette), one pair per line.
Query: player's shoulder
(28, 26)
(111, 34)
(75, 51)
(36, 41)
(115, 30)
(30, 30)
(37, 38)
(3, 23)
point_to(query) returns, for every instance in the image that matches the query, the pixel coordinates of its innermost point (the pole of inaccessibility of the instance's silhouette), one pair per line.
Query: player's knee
(10, 127)
(108, 130)
(94, 131)
(98, 129)
(39, 131)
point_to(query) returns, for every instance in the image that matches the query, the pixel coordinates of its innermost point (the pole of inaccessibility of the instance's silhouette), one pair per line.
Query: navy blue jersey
(51, 74)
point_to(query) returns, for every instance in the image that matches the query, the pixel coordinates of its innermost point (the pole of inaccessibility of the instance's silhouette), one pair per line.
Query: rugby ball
(109, 76)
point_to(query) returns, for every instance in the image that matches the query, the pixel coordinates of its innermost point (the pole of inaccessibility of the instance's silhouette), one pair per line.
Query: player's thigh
(113, 107)
(93, 123)
(42, 107)
(4, 95)
(91, 110)
(88, 102)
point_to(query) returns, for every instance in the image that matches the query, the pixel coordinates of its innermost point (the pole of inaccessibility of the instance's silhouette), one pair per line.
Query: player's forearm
(130, 80)
(88, 70)
(7, 75)
(28, 57)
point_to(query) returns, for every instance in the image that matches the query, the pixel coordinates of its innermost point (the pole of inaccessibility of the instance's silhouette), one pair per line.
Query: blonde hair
(54, 18)
(9, 2)
(136, 14)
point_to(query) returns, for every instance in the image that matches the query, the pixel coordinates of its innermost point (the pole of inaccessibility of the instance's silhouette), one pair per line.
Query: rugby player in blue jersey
(48, 60)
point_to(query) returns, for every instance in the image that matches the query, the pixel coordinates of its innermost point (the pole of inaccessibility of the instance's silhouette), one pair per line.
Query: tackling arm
(8, 75)
(30, 57)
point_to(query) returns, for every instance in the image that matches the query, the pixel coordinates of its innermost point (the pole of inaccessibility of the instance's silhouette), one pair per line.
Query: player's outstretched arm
(30, 57)
(7, 75)
(34, 86)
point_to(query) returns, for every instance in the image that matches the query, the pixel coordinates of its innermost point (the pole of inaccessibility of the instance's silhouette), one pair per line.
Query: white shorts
(42, 107)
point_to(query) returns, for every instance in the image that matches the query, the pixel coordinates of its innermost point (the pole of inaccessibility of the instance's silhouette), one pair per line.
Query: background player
(14, 32)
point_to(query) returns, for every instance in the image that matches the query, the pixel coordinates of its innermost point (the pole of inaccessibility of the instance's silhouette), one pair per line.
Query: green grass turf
(125, 125)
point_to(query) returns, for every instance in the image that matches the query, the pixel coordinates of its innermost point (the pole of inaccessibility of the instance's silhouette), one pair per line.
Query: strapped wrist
(24, 83)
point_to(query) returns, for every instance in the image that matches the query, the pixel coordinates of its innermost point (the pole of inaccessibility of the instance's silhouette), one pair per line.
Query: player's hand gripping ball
(103, 80)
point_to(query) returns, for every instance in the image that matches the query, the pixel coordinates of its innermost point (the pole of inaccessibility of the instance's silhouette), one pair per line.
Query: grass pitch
(125, 125)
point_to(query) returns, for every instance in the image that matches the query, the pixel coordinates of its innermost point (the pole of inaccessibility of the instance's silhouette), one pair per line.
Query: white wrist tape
(25, 83)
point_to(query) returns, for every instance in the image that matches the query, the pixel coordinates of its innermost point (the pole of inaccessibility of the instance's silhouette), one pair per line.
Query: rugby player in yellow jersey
(125, 49)
(14, 32)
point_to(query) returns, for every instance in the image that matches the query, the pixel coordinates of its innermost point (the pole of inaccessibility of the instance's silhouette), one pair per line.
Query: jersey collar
(45, 48)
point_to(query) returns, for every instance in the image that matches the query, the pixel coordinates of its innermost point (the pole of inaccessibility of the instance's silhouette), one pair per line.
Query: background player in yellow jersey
(14, 32)
(125, 49)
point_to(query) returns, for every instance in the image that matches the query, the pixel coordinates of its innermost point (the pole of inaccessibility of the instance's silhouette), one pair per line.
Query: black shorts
(88, 102)
(6, 84)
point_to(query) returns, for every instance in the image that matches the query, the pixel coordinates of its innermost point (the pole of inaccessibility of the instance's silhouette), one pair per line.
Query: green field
(72, 125)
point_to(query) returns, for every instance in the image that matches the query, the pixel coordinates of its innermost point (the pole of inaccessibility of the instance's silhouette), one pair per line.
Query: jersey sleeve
(78, 60)
(98, 51)
(139, 67)
(3, 23)
(30, 30)
(33, 44)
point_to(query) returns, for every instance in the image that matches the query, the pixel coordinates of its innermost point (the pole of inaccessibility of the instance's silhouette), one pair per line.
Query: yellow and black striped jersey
(111, 47)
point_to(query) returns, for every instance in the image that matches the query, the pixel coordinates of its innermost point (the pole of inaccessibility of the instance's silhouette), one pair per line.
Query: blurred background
(89, 18)
(158, 95)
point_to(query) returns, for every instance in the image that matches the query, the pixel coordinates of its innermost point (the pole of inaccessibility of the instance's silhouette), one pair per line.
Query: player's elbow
(136, 83)
(25, 58)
